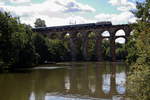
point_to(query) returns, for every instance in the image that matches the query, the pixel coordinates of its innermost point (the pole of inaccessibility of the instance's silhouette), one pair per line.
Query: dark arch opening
(79, 35)
(79, 46)
(91, 46)
(66, 35)
(106, 49)
(54, 36)
(120, 49)
(65, 39)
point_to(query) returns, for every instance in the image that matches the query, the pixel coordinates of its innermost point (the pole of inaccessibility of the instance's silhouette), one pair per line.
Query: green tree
(91, 48)
(131, 51)
(27, 55)
(139, 78)
(15, 38)
(142, 11)
(57, 50)
(121, 51)
(41, 47)
(39, 23)
(106, 49)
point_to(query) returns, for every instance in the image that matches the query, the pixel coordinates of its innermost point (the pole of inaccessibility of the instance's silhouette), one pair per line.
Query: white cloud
(61, 12)
(50, 10)
(31, 9)
(118, 2)
(19, 1)
(117, 18)
(123, 5)
(73, 6)
(57, 21)
(50, 7)
(125, 16)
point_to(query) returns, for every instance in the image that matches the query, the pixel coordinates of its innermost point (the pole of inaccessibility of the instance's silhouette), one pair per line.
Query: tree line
(21, 47)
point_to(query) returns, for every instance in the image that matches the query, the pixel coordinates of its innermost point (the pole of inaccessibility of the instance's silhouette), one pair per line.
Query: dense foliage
(15, 42)
(139, 77)
(21, 47)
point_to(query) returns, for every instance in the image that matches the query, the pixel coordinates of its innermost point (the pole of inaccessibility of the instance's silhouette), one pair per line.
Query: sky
(65, 12)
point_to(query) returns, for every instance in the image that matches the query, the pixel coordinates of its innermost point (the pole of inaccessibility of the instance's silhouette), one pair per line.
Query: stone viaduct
(84, 30)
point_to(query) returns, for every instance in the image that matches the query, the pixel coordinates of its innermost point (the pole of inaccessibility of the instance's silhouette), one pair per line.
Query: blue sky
(64, 12)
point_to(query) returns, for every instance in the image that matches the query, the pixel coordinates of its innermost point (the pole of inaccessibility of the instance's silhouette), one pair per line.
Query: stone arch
(91, 35)
(113, 30)
(54, 36)
(79, 35)
(105, 34)
(106, 49)
(84, 46)
(79, 45)
(65, 35)
(91, 45)
(120, 50)
(120, 32)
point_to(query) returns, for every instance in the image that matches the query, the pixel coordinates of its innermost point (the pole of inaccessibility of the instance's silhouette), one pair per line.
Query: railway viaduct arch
(84, 30)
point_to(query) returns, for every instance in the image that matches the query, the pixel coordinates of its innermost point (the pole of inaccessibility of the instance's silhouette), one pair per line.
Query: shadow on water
(15, 70)
(66, 81)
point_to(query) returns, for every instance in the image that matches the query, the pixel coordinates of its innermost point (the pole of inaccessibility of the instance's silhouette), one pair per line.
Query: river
(66, 81)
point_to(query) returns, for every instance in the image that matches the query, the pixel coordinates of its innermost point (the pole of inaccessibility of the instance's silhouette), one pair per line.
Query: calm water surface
(66, 81)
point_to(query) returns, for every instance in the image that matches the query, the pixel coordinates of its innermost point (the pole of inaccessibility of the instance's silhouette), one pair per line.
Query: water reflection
(67, 83)
(32, 96)
(80, 81)
(120, 82)
(106, 83)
